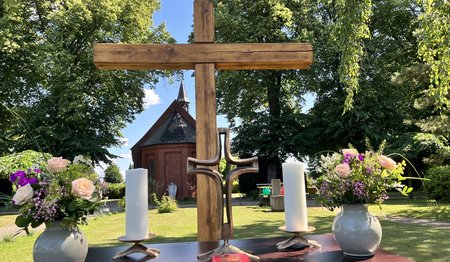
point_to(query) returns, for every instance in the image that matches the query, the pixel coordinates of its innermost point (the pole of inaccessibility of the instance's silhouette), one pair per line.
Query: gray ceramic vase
(357, 232)
(58, 243)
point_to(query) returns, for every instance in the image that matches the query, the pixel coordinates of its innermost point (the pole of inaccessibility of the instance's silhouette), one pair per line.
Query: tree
(382, 110)
(434, 49)
(261, 100)
(384, 104)
(48, 78)
(112, 174)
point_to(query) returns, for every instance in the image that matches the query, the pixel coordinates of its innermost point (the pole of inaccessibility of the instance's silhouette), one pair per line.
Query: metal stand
(138, 248)
(248, 165)
(297, 239)
(225, 249)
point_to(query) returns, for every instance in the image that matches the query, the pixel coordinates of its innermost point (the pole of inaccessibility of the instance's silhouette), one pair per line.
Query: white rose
(23, 195)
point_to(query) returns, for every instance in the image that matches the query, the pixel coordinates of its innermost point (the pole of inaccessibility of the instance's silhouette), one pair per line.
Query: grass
(421, 243)
(414, 208)
(6, 220)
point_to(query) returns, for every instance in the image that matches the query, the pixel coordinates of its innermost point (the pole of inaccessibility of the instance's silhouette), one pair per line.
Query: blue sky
(178, 17)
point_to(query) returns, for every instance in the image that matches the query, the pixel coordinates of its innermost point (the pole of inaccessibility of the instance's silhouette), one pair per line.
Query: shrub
(115, 190)
(438, 185)
(22, 161)
(235, 188)
(165, 205)
(253, 194)
(112, 174)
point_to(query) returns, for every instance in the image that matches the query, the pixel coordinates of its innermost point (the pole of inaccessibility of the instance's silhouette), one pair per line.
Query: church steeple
(182, 99)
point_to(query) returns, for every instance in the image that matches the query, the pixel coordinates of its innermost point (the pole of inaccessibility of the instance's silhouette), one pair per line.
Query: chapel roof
(174, 126)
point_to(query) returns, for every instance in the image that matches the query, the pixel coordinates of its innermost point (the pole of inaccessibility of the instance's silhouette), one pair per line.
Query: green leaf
(35, 224)
(23, 221)
(72, 206)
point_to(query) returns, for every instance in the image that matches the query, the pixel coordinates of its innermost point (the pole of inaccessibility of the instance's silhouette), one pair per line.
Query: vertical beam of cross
(208, 213)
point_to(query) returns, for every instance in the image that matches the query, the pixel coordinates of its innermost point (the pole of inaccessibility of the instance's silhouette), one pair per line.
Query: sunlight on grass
(6, 220)
(414, 208)
(421, 243)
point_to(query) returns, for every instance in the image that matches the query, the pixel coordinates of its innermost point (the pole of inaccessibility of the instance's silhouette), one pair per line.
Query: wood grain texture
(209, 209)
(242, 56)
(209, 206)
(203, 21)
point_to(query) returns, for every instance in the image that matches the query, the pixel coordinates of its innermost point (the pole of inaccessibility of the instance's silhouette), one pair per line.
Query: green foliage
(422, 148)
(434, 48)
(115, 190)
(352, 27)
(165, 205)
(22, 161)
(112, 174)
(49, 81)
(235, 188)
(438, 185)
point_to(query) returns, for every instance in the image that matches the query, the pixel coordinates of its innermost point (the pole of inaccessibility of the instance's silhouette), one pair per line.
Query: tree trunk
(273, 97)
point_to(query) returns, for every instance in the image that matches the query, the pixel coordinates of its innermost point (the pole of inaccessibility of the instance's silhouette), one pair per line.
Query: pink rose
(343, 170)
(57, 164)
(387, 162)
(350, 151)
(83, 188)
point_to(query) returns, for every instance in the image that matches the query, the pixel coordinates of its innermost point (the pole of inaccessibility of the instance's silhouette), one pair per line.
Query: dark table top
(264, 248)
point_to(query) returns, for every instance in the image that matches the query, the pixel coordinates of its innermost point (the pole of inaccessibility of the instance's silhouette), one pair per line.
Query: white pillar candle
(136, 204)
(295, 197)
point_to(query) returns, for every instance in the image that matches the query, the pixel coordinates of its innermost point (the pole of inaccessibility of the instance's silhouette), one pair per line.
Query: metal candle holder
(297, 239)
(138, 248)
(248, 165)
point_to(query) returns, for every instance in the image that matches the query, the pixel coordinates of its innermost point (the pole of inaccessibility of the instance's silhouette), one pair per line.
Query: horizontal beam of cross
(185, 56)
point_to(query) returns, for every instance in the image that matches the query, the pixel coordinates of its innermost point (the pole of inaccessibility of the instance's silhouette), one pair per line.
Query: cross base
(225, 249)
(297, 240)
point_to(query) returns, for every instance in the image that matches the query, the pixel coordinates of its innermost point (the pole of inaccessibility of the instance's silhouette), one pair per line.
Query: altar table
(263, 247)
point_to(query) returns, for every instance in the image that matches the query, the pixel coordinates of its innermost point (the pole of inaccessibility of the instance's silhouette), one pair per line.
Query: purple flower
(23, 181)
(33, 180)
(369, 170)
(14, 176)
(361, 157)
(37, 170)
(359, 188)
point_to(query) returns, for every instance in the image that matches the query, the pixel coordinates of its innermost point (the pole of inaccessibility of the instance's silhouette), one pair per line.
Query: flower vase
(58, 243)
(357, 232)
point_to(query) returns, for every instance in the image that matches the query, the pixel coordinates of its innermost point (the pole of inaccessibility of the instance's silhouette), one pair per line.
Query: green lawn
(421, 243)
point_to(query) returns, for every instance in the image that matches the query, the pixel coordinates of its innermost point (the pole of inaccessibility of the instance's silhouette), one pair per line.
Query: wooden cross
(204, 57)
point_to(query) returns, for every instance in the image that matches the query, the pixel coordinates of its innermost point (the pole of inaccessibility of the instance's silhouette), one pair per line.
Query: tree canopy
(50, 91)
(368, 76)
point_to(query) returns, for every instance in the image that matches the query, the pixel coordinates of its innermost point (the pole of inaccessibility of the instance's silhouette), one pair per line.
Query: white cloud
(151, 98)
(124, 140)
(126, 155)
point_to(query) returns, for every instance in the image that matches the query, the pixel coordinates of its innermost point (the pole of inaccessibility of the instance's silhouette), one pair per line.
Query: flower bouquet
(58, 191)
(351, 177)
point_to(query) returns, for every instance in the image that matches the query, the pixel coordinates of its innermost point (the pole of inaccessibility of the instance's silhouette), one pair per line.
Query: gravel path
(419, 221)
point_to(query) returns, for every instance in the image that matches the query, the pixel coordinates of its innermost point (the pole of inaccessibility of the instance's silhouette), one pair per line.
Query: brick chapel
(164, 149)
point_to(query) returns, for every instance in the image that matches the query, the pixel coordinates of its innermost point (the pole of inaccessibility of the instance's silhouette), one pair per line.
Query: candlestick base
(138, 248)
(225, 249)
(297, 239)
